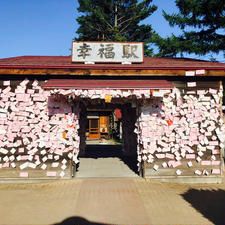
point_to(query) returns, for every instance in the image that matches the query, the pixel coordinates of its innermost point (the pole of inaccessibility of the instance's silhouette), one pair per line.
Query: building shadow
(210, 203)
(111, 151)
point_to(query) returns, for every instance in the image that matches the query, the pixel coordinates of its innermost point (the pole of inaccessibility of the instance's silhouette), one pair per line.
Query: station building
(170, 111)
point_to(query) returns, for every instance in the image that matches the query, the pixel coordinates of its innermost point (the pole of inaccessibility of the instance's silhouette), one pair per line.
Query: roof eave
(111, 67)
(112, 71)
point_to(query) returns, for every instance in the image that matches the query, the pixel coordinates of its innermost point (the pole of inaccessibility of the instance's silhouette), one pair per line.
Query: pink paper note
(24, 174)
(188, 149)
(169, 156)
(19, 142)
(171, 163)
(15, 128)
(216, 163)
(215, 171)
(35, 83)
(6, 83)
(200, 72)
(19, 97)
(2, 104)
(215, 152)
(206, 163)
(190, 156)
(201, 92)
(176, 164)
(26, 129)
(185, 142)
(182, 120)
(193, 136)
(24, 83)
(24, 157)
(201, 137)
(212, 91)
(198, 119)
(198, 172)
(191, 84)
(51, 174)
(21, 150)
(6, 90)
(10, 145)
(58, 152)
(213, 143)
(5, 165)
(30, 91)
(160, 156)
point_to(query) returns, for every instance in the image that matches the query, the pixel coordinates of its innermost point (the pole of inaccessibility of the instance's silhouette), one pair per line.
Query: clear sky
(47, 27)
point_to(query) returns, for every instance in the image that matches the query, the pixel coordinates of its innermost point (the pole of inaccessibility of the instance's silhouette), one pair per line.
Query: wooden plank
(106, 72)
(184, 161)
(172, 172)
(199, 85)
(36, 173)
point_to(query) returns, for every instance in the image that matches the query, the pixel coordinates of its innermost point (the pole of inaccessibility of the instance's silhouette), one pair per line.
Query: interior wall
(129, 119)
(82, 127)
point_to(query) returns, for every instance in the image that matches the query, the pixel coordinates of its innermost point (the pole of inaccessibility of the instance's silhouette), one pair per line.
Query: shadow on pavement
(77, 221)
(210, 203)
(106, 151)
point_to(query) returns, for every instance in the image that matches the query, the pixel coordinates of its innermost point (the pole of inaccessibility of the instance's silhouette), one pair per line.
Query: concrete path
(112, 201)
(106, 161)
(104, 167)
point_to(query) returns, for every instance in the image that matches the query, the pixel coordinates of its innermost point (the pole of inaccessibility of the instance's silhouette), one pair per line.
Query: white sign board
(107, 52)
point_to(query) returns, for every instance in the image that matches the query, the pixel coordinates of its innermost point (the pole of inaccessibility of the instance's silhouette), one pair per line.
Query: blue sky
(47, 27)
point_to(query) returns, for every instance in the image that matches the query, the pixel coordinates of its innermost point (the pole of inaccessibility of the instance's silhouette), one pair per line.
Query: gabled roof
(66, 62)
(62, 65)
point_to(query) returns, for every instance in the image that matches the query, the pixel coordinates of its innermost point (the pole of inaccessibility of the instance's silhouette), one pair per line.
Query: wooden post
(222, 117)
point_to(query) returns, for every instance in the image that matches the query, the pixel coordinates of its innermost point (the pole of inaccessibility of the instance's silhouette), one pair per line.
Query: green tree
(115, 20)
(202, 23)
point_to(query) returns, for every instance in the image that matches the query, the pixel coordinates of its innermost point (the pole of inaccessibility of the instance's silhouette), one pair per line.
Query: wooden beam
(105, 72)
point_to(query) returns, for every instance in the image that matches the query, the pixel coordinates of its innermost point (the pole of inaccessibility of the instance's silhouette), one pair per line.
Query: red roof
(65, 62)
(111, 84)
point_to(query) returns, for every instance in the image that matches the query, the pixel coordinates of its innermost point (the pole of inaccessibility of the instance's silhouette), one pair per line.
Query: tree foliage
(115, 20)
(202, 23)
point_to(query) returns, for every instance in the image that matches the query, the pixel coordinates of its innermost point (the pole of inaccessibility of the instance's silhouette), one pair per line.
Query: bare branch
(128, 20)
(124, 28)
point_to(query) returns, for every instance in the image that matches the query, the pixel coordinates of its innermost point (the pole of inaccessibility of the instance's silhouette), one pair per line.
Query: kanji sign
(107, 52)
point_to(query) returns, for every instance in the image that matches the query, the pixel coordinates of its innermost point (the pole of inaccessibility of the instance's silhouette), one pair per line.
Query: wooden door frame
(98, 130)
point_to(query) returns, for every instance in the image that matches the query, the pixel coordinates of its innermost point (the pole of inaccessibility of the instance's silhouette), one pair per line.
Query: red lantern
(118, 113)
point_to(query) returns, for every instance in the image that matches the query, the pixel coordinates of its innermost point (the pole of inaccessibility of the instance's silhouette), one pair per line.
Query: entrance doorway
(98, 126)
(111, 145)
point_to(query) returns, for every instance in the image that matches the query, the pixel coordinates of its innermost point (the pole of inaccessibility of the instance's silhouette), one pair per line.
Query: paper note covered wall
(182, 130)
(36, 128)
(175, 129)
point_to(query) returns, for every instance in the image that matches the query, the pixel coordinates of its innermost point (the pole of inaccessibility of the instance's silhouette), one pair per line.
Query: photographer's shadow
(78, 221)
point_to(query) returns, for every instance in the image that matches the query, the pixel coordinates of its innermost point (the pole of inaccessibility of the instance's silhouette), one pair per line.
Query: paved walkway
(112, 201)
(106, 161)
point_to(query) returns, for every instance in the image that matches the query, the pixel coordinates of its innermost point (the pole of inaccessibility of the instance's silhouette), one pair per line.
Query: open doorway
(111, 144)
(99, 125)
